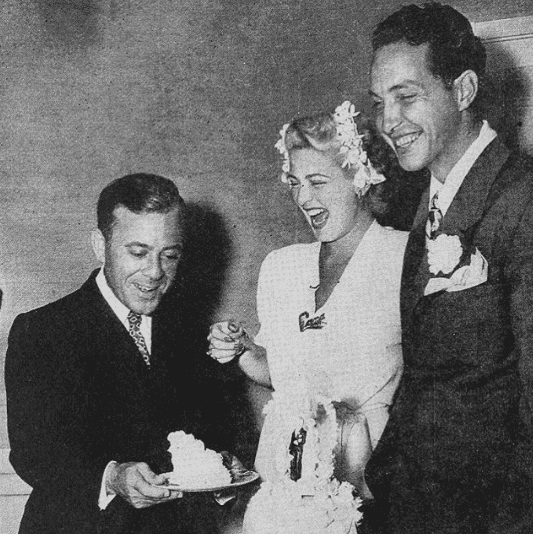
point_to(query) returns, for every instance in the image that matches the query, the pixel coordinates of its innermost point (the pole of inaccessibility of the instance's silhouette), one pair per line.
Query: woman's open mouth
(318, 217)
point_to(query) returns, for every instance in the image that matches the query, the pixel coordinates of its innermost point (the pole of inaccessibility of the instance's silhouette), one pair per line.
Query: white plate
(240, 478)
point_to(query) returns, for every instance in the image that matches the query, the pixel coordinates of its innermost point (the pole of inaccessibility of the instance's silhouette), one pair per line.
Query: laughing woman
(329, 311)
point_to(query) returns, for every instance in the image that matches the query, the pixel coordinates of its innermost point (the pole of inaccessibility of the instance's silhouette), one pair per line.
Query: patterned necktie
(134, 320)
(434, 217)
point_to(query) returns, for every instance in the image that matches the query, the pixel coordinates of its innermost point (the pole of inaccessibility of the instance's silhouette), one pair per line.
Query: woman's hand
(227, 340)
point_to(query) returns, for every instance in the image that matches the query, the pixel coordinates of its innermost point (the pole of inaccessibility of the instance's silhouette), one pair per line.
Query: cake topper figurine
(296, 448)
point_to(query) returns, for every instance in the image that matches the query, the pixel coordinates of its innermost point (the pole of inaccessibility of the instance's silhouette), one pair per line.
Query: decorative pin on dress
(306, 322)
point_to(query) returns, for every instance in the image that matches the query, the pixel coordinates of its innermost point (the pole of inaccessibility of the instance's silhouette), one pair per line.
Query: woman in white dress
(329, 311)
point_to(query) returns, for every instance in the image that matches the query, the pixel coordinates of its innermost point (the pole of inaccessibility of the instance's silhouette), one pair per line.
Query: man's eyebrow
(405, 84)
(397, 87)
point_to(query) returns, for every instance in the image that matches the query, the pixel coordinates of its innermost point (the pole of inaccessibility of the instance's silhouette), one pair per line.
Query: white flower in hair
(366, 176)
(282, 148)
(351, 146)
(350, 140)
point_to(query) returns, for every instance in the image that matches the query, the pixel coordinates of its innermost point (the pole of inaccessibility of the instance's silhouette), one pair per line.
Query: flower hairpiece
(351, 146)
(282, 148)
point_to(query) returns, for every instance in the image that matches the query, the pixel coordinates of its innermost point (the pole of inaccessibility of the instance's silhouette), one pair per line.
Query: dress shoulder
(295, 250)
(394, 236)
(286, 257)
(391, 241)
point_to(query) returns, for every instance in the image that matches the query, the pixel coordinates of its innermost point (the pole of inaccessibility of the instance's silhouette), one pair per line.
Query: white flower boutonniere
(444, 253)
(444, 257)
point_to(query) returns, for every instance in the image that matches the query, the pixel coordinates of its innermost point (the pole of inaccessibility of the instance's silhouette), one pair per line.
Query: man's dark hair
(139, 193)
(453, 47)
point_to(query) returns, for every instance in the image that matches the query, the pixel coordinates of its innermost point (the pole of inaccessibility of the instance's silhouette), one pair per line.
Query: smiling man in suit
(457, 454)
(96, 380)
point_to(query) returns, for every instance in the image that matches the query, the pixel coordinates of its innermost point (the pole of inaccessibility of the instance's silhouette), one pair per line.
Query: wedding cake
(301, 494)
(195, 466)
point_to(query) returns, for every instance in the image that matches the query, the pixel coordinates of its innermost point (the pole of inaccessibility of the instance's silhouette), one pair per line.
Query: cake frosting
(301, 494)
(193, 465)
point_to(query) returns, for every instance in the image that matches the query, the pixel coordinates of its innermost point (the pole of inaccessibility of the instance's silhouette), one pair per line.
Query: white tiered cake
(194, 466)
(302, 495)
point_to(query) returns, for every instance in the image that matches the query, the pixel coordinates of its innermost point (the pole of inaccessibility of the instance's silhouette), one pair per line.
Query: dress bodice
(355, 356)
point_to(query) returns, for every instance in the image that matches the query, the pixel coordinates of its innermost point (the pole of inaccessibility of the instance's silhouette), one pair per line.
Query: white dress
(356, 356)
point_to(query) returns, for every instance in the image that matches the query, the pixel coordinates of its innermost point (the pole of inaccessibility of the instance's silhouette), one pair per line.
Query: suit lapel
(160, 339)
(465, 211)
(107, 327)
(469, 204)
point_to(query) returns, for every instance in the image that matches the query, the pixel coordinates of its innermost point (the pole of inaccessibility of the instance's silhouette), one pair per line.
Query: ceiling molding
(505, 29)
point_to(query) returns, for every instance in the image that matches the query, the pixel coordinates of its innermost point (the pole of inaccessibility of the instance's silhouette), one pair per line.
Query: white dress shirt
(456, 176)
(121, 312)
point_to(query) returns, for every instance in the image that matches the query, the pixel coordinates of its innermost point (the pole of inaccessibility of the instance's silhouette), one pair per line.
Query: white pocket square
(465, 277)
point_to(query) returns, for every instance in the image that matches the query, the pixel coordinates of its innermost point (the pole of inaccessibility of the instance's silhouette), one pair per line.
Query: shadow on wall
(403, 203)
(505, 98)
(69, 25)
(208, 254)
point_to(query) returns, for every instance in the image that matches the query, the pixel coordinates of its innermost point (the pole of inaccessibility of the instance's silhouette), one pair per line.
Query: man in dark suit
(457, 454)
(96, 380)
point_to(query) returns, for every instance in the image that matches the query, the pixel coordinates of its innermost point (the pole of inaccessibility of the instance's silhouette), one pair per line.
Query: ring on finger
(240, 348)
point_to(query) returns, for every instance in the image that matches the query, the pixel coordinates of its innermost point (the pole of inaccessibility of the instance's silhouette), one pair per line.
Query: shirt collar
(118, 308)
(456, 176)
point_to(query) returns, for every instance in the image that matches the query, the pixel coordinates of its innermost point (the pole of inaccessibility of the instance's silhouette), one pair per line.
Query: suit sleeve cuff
(106, 495)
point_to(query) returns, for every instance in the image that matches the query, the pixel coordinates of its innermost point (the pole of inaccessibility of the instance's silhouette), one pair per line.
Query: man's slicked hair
(453, 47)
(139, 193)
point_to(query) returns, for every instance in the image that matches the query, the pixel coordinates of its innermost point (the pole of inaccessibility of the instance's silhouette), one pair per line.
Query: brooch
(314, 322)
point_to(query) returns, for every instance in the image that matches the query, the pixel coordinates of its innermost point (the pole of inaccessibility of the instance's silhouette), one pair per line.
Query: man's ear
(98, 243)
(466, 87)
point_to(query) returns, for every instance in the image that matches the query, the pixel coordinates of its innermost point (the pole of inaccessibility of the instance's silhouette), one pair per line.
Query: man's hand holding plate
(138, 485)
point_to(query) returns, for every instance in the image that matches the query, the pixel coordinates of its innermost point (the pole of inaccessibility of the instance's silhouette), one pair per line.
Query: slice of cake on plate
(193, 465)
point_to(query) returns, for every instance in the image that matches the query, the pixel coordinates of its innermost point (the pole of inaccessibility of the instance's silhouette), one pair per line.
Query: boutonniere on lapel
(454, 266)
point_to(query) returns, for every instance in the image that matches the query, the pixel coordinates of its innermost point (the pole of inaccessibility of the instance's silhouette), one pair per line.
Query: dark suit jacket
(457, 454)
(78, 396)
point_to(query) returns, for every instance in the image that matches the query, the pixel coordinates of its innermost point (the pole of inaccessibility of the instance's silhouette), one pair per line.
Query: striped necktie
(434, 217)
(134, 320)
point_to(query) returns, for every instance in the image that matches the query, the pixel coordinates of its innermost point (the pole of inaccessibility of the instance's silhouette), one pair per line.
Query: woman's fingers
(222, 356)
(226, 341)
